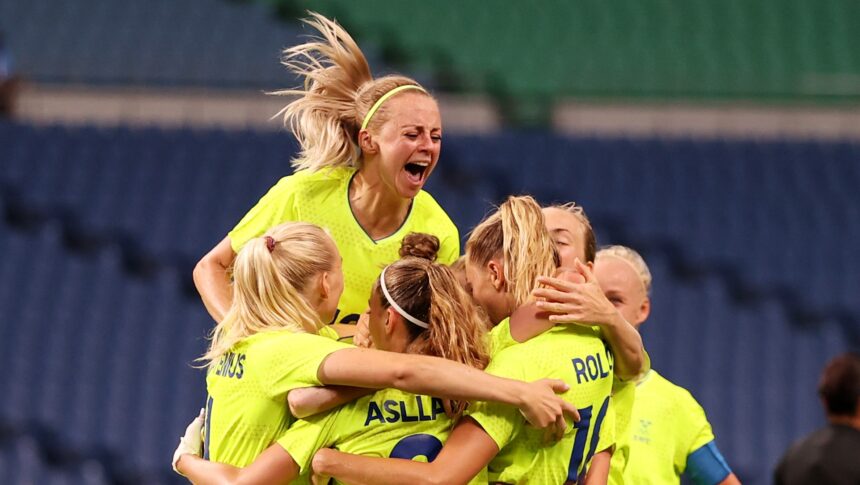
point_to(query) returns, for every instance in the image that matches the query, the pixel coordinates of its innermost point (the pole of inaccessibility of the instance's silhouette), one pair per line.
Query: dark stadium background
(719, 138)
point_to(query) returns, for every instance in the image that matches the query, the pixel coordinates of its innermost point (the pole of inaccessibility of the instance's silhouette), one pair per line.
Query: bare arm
(308, 401)
(211, 280)
(598, 471)
(443, 378)
(468, 450)
(585, 303)
(731, 480)
(273, 466)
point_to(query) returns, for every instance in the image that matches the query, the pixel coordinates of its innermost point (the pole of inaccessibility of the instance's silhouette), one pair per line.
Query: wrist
(321, 462)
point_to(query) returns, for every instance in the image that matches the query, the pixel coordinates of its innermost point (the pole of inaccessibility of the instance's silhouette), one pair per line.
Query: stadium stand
(528, 55)
(168, 43)
(23, 461)
(750, 243)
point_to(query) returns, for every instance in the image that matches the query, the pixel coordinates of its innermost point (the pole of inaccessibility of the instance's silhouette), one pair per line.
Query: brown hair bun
(420, 245)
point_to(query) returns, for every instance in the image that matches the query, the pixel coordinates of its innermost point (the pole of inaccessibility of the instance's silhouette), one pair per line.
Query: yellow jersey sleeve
(276, 207)
(285, 371)
(696, 432)
(306, 436)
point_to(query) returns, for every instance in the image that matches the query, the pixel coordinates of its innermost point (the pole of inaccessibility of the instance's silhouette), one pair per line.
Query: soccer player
(504, 255)
(829, 455)
(668, 433)
(367, 148)
(416, 307)
(285, 284)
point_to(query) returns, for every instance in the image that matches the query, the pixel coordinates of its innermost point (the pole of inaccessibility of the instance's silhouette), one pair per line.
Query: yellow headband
(384, 98)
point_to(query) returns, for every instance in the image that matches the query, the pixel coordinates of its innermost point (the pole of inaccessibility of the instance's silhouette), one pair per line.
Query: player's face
(622, 286)
(568, 233)
(378, 316)
(409, 143)
(479, 284)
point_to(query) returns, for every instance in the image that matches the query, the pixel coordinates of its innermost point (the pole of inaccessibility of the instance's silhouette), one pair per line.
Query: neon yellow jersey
(623, 396)
(247, 406)
(499, 337)
(666, 426)
(576, 355)
(387, 423)
(322, 198)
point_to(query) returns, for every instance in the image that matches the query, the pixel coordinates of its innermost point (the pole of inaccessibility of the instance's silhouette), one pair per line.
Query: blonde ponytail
(338, 91)
(516, 232)
(269, 275)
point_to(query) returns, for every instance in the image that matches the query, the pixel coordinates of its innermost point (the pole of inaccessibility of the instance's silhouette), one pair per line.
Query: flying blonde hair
(338, 91)
(516, 231)
(269, 275)
(634, 259)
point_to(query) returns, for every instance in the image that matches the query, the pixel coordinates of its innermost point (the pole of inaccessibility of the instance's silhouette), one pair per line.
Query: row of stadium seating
(97, 362)
(97, 351)
(526, 57)
(22, 461)
(653, 48)
(761, 213)
(212, 43)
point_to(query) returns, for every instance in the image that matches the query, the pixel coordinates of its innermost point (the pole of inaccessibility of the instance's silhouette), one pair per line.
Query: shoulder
(279, 340)
(308, 182)
(678, 394)
(428, 212)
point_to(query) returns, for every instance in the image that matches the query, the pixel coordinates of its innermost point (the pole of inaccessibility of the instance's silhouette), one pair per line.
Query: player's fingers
(558, 385)
(568, 318)
(585, 271)
(560, 427)
(556, 283)
(571, 411)
(548, 306)
(555, 295)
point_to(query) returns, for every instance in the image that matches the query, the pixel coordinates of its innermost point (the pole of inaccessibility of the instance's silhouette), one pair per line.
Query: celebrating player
(668, 434)
(416, 307)
(504, 256)
(286, 283)
(367, 148)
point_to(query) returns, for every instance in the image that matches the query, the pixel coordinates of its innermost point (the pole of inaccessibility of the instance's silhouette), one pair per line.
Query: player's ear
(496, 273)
(644, 311)
(324, 285)
(391, 322)
(366, 143)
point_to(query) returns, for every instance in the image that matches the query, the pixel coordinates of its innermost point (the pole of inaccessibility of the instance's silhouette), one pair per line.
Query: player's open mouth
(416, 170)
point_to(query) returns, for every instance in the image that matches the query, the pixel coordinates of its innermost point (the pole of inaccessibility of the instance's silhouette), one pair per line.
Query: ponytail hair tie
(270, 243)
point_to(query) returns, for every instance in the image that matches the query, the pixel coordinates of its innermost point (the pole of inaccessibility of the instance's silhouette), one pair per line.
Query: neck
(378, 210)
(530, 312)
(852, 421)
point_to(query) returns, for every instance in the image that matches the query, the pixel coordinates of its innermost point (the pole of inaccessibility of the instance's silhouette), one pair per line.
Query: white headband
(399, 310)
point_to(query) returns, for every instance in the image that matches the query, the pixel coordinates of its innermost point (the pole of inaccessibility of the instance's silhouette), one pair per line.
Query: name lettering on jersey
(390, 411)
(592, 367)
(231, 365)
